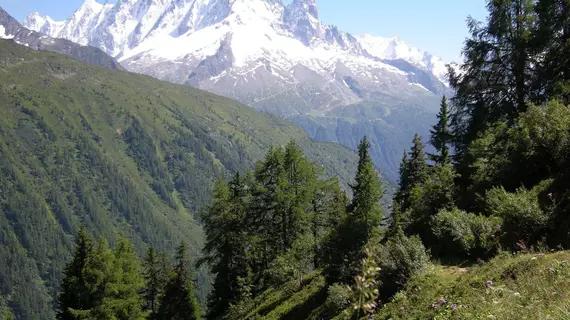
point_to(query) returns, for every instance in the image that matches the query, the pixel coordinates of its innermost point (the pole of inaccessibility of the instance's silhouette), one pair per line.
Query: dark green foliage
(403, 182)
(426, 199)
(225, 250)
(460, 235)
(156, 270)
(534, 150)
(516, 59)
(343, 248)
(328, 213)
(179, 300)
(524, 220)
(365, 209)
(413, 171)
(399, 259)
(552, 35)
(74, 293)
(417, 166)
(268, 227)
(101, 284)
(440, 135)
(495, 82)
(119, 153)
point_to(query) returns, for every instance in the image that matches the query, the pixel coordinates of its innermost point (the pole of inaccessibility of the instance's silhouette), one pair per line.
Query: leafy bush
(537, 148)
(399, 259)
(465, 234)
(427, 199)
(546, 133)
(338, 298)
(294, 263)
(523, 218)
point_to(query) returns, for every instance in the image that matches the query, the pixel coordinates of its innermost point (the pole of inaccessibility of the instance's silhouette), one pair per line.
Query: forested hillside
(122, 154)
(476, 225)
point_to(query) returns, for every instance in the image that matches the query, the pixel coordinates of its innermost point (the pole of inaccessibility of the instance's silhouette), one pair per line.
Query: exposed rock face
(10, 28)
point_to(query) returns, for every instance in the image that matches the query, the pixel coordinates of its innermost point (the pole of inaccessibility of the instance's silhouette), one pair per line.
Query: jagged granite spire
(302, 19)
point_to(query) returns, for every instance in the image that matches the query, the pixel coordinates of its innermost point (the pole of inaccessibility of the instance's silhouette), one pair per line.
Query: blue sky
(437, 26)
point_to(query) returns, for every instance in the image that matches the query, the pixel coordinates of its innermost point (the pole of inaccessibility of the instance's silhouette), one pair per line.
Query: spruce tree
(267, 211)
(368, 190)
(343, 250)
(328, 212)
(298, 193)
(179, 301)
(417, 166)
(74, 293)
(403, 182)
(123, 298)
(101, 282)
(155, 272)
(553, 42)
(401, 196)
(440, 136)
(225, 249)
(496, 78)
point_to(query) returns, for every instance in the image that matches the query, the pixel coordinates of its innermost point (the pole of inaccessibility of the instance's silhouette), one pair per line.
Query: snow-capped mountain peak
(394, 48)
(247, 49)
(274, 57)
(302, 19)
(43, 24)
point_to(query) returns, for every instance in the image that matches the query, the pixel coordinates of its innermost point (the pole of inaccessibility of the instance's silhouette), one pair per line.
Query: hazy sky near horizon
(436, 26)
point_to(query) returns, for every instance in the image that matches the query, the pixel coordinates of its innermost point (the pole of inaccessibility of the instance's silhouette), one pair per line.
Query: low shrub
(459, 233)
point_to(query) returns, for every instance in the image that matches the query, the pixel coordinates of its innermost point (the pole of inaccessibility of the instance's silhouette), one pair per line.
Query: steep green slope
(523, 286)
(121, 153)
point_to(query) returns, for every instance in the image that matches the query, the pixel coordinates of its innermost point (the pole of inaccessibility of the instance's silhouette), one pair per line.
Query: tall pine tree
(365, 206)
(440, 137)
(298, 192)
(99, 276)
(343, 250)
(495, 82)
(179, 301)
(417, 166)
(155, 272)
(101, 284)
(266, 212)
(122, 298)
(74, 293)
(225, 249)
(403, 181)
(553, 41)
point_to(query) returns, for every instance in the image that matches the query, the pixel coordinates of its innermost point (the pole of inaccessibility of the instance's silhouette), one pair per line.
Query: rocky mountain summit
(10, 28)
(275, 57)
